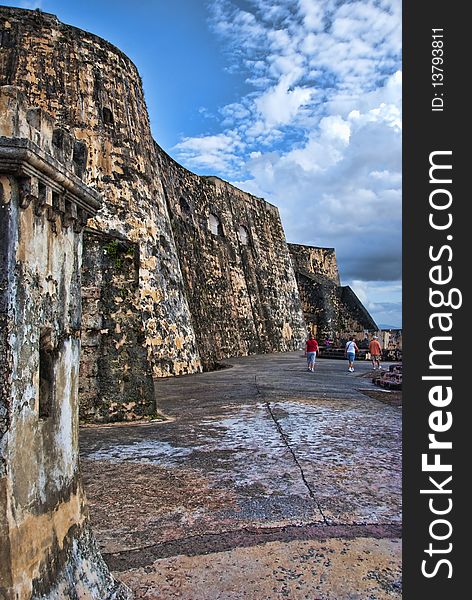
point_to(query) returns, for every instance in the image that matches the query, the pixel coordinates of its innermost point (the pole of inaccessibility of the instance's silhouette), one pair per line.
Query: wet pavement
(266, 481)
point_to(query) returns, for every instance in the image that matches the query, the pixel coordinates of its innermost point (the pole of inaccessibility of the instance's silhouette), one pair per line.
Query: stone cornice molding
(44, 181)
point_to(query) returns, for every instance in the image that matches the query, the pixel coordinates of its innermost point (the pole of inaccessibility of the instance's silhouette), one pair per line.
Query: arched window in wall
(243, 235)
(215, 225)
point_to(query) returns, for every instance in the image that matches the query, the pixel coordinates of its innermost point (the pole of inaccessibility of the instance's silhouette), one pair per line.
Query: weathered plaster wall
(45, 542)
(94, 91)
(115, 374)
(239, 281)
(330, 310)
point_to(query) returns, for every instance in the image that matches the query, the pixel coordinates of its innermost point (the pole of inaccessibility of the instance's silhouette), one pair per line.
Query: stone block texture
(115, 375)
(237, 271)
(94, 91)
(330, 310)
(46, 548)
(213, 276)
(201, 296)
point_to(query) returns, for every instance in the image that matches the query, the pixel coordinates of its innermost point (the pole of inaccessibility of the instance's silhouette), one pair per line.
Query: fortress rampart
(330, 310)
(196, 296)
(116, 258)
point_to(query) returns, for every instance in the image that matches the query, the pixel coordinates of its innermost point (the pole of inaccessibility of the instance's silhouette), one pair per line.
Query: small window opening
(215, 225)
(46, 373)
(58, 138)
(107, 116)
(243, 235)
(40, 205)
(184, 206)
(79, 156)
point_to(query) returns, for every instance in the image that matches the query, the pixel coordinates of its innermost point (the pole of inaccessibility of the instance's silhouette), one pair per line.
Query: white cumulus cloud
(316, 129)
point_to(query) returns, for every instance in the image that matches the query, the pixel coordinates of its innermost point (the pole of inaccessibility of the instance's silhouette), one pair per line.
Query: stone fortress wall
(116, 380)
(237, 271)
(46, 546)
(179, 271)
(331, 310)
(94, 91)
(200, 296)
(113, 255)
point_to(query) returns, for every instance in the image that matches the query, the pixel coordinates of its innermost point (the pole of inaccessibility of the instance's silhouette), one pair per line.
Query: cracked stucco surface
(268, 464)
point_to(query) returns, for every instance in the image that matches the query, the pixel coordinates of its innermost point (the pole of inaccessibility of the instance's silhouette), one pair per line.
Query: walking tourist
(375, 352)
(311, 349)
(350, 352)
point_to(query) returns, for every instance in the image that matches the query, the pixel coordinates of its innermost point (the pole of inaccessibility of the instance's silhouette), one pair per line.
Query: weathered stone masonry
(190, 296)
(94, 91)
(178, 272)
(115, 374)
(239, 280)
(201, 297)
(330, 310)
(46, 547)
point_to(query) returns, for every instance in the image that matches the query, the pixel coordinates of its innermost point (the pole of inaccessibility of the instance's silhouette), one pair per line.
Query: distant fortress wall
(236, 266)
(330, 310)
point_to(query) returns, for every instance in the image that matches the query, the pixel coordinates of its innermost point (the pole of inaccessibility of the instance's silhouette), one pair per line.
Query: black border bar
(436, 132)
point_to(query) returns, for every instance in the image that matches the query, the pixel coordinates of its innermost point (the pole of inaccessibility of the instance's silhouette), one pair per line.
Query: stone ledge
(22, 158)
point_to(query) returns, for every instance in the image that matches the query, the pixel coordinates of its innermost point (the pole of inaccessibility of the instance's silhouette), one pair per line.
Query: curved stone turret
(202, 297)
(94, 91)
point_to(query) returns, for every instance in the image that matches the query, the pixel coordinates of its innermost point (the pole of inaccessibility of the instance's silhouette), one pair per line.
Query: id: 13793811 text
(437, 69)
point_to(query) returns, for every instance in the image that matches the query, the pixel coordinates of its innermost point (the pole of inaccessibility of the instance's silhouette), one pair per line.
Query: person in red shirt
(311, 350)
(375, 352)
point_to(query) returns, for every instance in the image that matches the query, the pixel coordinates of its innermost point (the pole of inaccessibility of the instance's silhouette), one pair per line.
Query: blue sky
(297, 101)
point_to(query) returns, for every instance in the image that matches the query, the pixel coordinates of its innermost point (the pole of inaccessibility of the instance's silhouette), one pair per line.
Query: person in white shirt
(350, 352)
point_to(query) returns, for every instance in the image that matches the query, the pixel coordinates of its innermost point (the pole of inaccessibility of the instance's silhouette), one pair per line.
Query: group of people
(350, 350)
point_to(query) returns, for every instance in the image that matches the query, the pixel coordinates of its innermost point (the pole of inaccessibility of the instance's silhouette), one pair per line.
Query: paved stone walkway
(266, 481)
